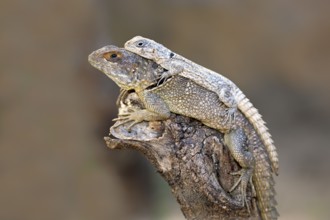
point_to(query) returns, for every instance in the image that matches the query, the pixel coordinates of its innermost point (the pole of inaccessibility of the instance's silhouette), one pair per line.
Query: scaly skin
(226, 90)
(183, 96)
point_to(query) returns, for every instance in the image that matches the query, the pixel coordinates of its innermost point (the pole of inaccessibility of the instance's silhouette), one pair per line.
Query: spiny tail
(259, 124)
(264, 184)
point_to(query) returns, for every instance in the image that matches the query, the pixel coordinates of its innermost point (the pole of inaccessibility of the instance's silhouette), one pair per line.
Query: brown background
(55, 108)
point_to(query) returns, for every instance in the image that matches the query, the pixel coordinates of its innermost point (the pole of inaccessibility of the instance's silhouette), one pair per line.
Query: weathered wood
(191, 158)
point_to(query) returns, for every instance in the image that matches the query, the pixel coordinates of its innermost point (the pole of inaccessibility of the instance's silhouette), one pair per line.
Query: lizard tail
(264, 184)
(252, 114)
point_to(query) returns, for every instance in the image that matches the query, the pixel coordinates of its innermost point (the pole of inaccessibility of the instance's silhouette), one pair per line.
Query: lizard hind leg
(236, 141)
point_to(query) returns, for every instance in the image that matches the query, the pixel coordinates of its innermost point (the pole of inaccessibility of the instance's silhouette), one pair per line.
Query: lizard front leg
(235, 141)
(155, 110)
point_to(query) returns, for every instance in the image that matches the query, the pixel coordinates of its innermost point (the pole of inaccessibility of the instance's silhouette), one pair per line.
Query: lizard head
(148, 48)
(126, 69)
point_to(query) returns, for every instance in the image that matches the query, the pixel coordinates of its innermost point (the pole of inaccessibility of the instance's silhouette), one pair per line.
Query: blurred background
(55, 108)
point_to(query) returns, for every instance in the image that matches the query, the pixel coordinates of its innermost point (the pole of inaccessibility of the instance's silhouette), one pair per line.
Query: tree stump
(193, 160)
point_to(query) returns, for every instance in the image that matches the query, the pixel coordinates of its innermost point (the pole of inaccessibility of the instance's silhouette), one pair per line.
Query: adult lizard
(227, 91)
(183, 96)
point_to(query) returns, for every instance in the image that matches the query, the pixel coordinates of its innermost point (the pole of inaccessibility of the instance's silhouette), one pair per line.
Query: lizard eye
(140, 44)
(111, 56)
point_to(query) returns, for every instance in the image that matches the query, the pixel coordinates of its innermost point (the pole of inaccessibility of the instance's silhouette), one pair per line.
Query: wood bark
(193, 160)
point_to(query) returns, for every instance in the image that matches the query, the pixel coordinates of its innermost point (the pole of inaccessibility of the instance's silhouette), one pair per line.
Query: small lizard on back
(227, 91)
(183, 96)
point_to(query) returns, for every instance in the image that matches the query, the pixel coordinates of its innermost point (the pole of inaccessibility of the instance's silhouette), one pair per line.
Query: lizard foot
(134, 117)
(137, 116)
(175, 70)
(231, 116)
(163, 78)
(245, 178)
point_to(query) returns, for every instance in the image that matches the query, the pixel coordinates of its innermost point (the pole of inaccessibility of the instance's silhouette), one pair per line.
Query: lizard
(226, 90)
(183, 96)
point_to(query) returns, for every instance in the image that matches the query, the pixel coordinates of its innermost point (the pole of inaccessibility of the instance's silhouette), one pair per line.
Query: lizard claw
(123, 93)
(123, 122)
(121, 117)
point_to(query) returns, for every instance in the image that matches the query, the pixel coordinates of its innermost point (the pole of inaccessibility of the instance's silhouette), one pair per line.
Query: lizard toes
(121, 118)
(121, 123)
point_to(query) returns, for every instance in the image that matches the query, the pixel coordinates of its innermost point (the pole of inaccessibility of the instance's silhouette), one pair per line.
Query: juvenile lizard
(183, 96)
(226, 90)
